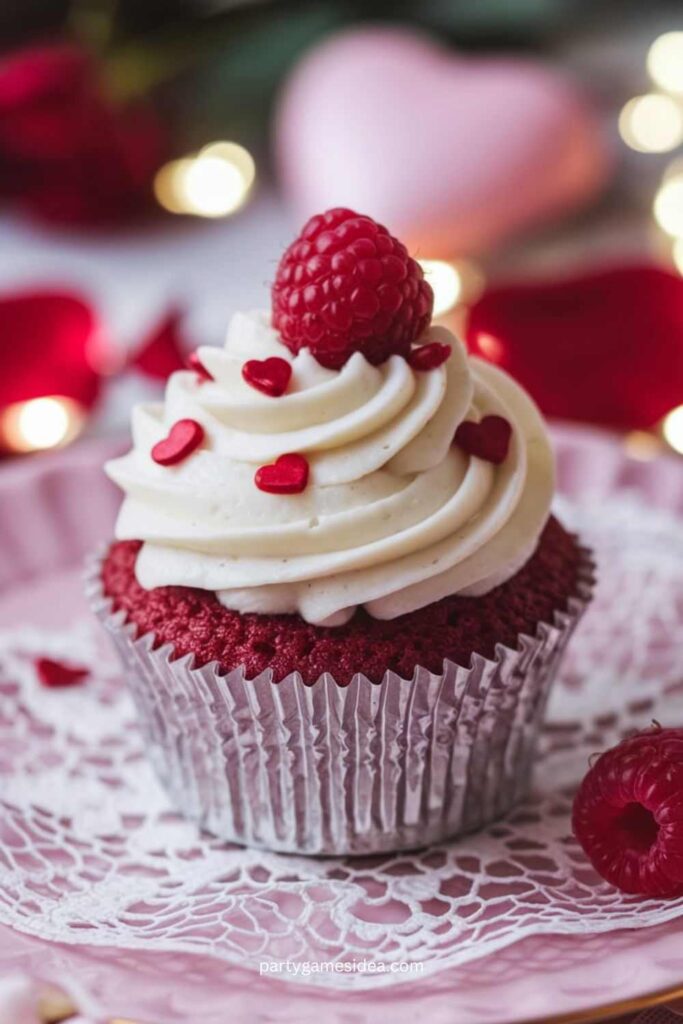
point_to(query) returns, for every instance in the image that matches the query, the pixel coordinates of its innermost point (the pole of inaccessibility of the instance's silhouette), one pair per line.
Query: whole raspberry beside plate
(628, 813)
(346, 285)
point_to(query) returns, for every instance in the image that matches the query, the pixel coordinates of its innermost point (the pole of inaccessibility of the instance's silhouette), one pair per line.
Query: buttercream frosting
(394, 516)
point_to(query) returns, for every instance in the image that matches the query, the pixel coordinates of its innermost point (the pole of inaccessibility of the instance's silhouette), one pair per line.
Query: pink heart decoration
(488, 440)
(271, 376)
(287, 475)
(453, 153)
(183, 438)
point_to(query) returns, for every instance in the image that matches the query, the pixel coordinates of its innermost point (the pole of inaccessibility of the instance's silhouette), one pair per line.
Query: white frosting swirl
(394, 516)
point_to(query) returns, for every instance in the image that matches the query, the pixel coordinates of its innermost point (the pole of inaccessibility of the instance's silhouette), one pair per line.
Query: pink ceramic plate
(527, 980)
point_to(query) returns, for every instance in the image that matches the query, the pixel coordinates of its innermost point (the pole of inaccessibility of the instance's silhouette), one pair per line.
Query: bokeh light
(41, 423)
(211, 187)
(213, 183)
(454, 284)
(677, 254)
(642, 445)
(489, 347)
(665, 61)
(652, 123)
(668, 205)
(166, 185)
(672, 428)
(446, 284)
(234, 154)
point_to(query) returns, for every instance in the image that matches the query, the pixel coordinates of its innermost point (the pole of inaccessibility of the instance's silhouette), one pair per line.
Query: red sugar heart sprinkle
(56, 673)
(193, 362)
(184, 436)
(488, 440)
(287, 475)
(271, 376)
(428, 357)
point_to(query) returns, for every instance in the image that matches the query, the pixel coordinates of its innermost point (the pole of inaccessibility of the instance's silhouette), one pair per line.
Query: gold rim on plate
(616, 1008)
(56, 1008)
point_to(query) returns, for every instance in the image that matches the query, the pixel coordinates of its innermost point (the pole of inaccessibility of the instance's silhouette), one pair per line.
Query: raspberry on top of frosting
(346, 285)
(309, 485)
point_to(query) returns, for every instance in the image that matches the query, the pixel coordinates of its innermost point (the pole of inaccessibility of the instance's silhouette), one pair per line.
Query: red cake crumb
(454, 628)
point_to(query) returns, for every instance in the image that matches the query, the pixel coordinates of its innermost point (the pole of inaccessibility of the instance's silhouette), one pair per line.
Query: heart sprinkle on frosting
(287, 475)
(56, 673)
(183, 438)
(271, 376)
(194, 363)
(488, 440)
(428, 357)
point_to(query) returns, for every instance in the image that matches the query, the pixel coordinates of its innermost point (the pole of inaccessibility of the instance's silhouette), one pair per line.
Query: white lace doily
(91, 853)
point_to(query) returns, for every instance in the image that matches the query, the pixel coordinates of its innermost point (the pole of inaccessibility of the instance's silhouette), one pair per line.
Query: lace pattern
(90, 852)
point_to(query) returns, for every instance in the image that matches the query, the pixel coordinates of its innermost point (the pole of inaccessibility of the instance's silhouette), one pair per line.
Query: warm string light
(446, 284)
(490, 347)
(667, 209)
(452, 283)
(642, 445)
(665, 62)
(212, 183)
(53, 1005)
(677, 254)
(652, 123)
(40, 423)
(672, 429)
(668, 204)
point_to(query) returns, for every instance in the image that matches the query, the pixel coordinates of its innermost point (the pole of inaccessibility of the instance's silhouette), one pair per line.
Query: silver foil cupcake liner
(329, 769)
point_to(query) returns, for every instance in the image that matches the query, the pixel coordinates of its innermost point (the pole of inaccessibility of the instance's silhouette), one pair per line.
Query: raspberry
(628, 814)
(346, 285)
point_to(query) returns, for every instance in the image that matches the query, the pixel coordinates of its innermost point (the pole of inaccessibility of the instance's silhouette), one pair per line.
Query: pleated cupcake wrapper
(330, 769)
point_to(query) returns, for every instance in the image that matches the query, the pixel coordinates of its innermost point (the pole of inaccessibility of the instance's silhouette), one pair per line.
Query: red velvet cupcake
(337, 590)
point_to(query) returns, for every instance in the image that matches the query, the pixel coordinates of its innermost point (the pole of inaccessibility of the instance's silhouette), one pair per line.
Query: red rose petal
(603, 347)
(42, 88)
(69, 155)
(428, 357)
(47, 340)
(488, 440)
(271, 376)
(161, 352)
(56, 673)
(287, 475)
(193, 362)
(184, 436)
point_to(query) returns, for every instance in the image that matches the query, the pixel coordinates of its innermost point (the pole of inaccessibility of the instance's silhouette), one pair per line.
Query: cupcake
(337, 590)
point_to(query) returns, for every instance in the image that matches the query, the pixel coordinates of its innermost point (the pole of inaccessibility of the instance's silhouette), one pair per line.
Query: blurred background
(156, 157)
